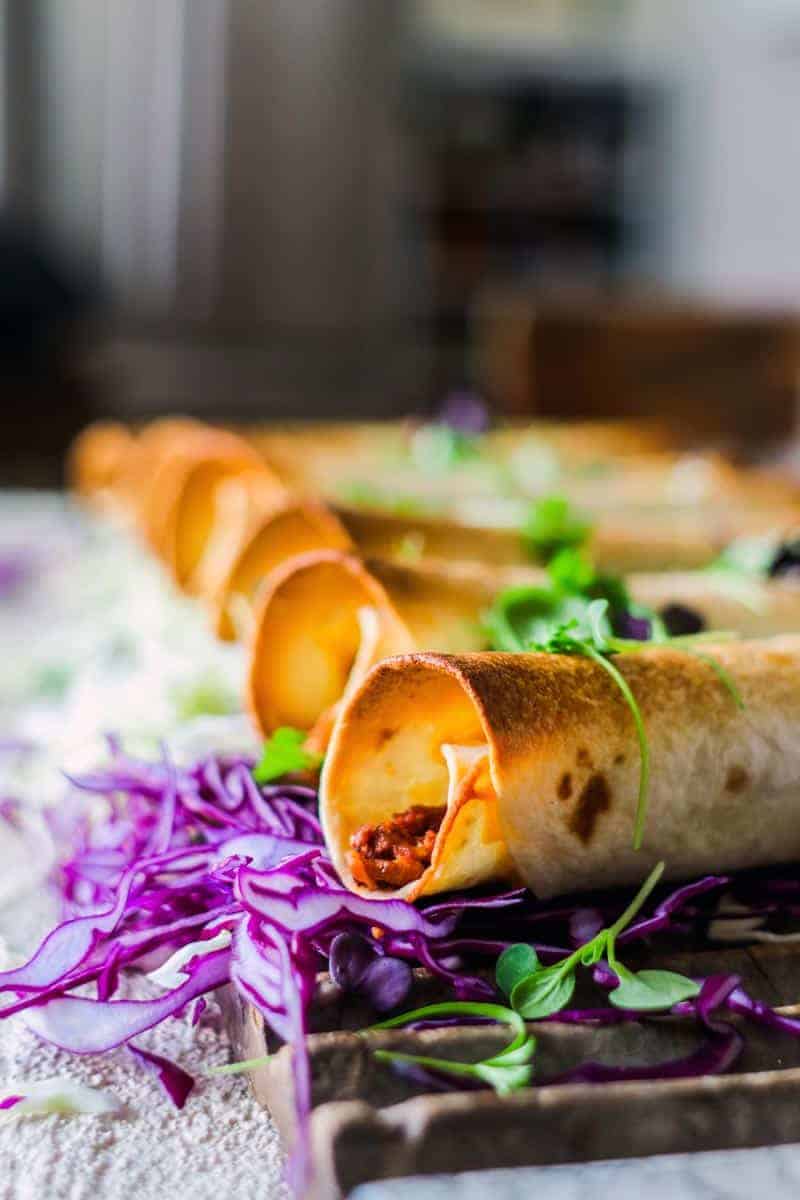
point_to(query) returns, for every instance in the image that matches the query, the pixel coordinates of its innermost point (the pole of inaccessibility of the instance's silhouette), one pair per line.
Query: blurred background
(284, 208)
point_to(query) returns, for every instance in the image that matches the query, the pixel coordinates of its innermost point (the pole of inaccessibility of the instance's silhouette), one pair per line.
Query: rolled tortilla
(661, 538)
(536, 761)
(240, 503)
(96, 460)
(321, 457)
(151, 447)
(327, 617)
(257, 542)
(183, 505)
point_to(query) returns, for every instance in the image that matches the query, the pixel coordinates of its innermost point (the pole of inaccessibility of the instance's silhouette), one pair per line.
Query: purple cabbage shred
(156, 857)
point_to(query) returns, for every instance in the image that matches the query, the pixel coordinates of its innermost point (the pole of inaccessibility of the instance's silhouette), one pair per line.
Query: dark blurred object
(727, 376)
(44, 397)
(527, 165)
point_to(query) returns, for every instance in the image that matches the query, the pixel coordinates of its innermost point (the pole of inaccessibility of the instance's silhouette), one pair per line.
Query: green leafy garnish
(523, 616)
(238, 1068)
(514, 963)
(505, 1072)
(543, 993)
(537, 991)
(574, 572)
(438, 448)
(651, 991)
(553, 524)
(284, 754)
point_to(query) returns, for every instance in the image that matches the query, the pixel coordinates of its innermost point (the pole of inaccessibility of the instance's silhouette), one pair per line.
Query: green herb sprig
(238, 1068)
(537, 991)
(553, 524)
(285, 754)
(506, 1071)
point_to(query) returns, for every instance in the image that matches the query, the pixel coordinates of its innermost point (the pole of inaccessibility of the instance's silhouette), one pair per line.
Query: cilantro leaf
(574, 572)
(551, 525)
(523, 618)
(284, 754)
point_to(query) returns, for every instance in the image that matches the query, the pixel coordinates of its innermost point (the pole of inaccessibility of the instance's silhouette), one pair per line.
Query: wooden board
(370, 1122)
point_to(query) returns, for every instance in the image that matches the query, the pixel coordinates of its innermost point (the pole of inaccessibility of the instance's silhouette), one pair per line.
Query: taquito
(150, 448)
(323, 457)
(448, 772)
(661, 538)
(182, 504)
(256, 546)
(248, 543)
(319, 456)
(240, 503)
(327, 617)
(96, 460)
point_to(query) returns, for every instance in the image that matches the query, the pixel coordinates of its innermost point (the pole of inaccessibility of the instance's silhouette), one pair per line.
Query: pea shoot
(506, 1071)
(537, 991)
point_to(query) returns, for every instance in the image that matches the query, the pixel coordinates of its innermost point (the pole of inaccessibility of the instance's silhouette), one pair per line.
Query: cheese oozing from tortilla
(468, 847)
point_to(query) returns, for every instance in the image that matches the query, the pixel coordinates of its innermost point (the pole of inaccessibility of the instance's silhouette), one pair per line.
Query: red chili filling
(397, 851)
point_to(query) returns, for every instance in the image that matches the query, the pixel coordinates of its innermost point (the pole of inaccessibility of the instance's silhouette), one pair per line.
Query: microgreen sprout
(506, 1071)
(552, 524)
(239, 1068)
(536, 991)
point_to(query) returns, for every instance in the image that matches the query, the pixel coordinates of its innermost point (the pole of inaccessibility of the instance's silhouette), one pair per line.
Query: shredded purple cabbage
(179, 856)
(176, 1082)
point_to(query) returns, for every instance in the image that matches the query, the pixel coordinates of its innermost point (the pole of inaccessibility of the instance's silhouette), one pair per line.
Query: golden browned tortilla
(183, 506)
(96, 459)
(657, 538)
(536, 760)
(142, 463)
(257, 542)
(327, 617)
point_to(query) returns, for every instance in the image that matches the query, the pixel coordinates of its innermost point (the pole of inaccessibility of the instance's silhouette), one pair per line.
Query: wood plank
(371, 1122)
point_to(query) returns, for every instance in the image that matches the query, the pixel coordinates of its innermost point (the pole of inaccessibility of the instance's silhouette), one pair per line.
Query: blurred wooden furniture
(728, 376)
